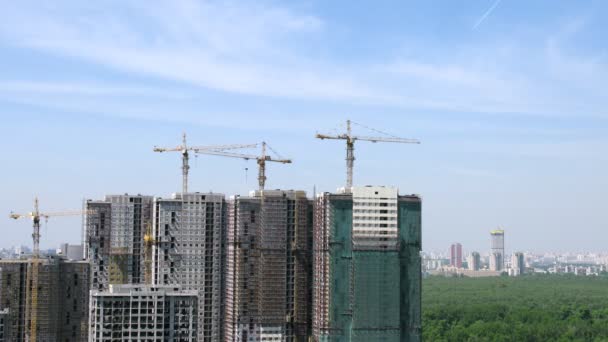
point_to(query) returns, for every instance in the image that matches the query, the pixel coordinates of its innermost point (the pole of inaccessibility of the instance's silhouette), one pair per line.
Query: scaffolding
(189, 234)
(268, 270)
(61, 311)
(365, 290)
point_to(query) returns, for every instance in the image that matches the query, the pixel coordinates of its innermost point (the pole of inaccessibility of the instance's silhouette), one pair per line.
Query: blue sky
(509, 99)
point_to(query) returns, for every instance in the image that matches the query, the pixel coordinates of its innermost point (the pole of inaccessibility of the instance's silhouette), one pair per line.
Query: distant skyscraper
(189, 251)
(497, 256)
(474, 262)
(456, 255)
(367, 266)
(141, 313)
(518, 264)
(114, 235)
(62, 305)
(72, 252)
(268, 281)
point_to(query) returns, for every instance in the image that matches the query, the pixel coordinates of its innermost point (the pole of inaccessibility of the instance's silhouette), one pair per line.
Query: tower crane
(184, 148)
(261, 159)
(35, 216)
(350, 146)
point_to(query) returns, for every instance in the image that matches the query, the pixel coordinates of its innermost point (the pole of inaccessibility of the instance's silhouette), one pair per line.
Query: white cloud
(85, 89)
(253, 49)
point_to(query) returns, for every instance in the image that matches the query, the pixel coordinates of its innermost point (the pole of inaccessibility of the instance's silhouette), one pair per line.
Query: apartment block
(456, 255)
(61, 302)
(141, 313)
(268, 273)
(367, 266)
(188, 231)
(114, 239)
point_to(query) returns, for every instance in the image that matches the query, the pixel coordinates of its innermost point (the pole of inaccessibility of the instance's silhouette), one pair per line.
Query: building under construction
(188, 251)
(62, 299)
(367, 267)
(114, 232)
(3, 325)
(268, 273)
(141, 313)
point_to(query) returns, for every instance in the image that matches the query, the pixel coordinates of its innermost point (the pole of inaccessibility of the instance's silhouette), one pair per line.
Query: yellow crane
(149, 240)
(261, 159)
(184, 148)
(35, 216)
(350, 146)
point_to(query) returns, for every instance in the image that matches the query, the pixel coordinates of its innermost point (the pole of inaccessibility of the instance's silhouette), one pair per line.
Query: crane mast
(350, 147)
(185, 165)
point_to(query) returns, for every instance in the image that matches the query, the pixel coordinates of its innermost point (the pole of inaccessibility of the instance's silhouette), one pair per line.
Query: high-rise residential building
(188, 231)
(268, 251)
(114, 239)
(518, 264)
(474, 262)
(456, 255)
(497, 256)
(4, 325)
(142, 313)
(62, 299)
(367, 266)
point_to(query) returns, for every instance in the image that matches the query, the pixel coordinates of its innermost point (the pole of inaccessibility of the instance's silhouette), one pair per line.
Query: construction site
(366, 266)
(114, 230)
(271, 266)
(268, 249)
(141, 313)
(188, 230)
(62, 299)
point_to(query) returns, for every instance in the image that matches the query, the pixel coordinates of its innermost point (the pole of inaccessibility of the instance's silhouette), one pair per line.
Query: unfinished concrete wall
(189, 230)
(143, 313)
(114, 242)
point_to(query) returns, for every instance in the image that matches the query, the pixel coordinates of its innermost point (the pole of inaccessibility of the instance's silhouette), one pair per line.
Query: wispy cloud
(486, 14)
(257, 49)
(87, 89)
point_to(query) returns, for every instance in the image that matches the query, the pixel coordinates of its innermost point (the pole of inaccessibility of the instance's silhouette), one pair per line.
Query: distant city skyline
(510, 107)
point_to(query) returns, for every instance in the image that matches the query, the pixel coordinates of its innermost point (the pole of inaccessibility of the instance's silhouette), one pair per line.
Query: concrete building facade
(72, 252)
(141, 313)
(456, 255)
(367, 266)
(474, 262)
(114, 239)
(188, 231)
(268, 251)
(518, 264)
(62, 304)
(497, 256)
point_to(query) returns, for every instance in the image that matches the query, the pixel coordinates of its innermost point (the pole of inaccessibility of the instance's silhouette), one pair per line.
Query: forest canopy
(528, 308)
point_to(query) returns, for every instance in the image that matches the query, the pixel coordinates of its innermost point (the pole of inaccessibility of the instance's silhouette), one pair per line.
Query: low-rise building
(139, 313)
